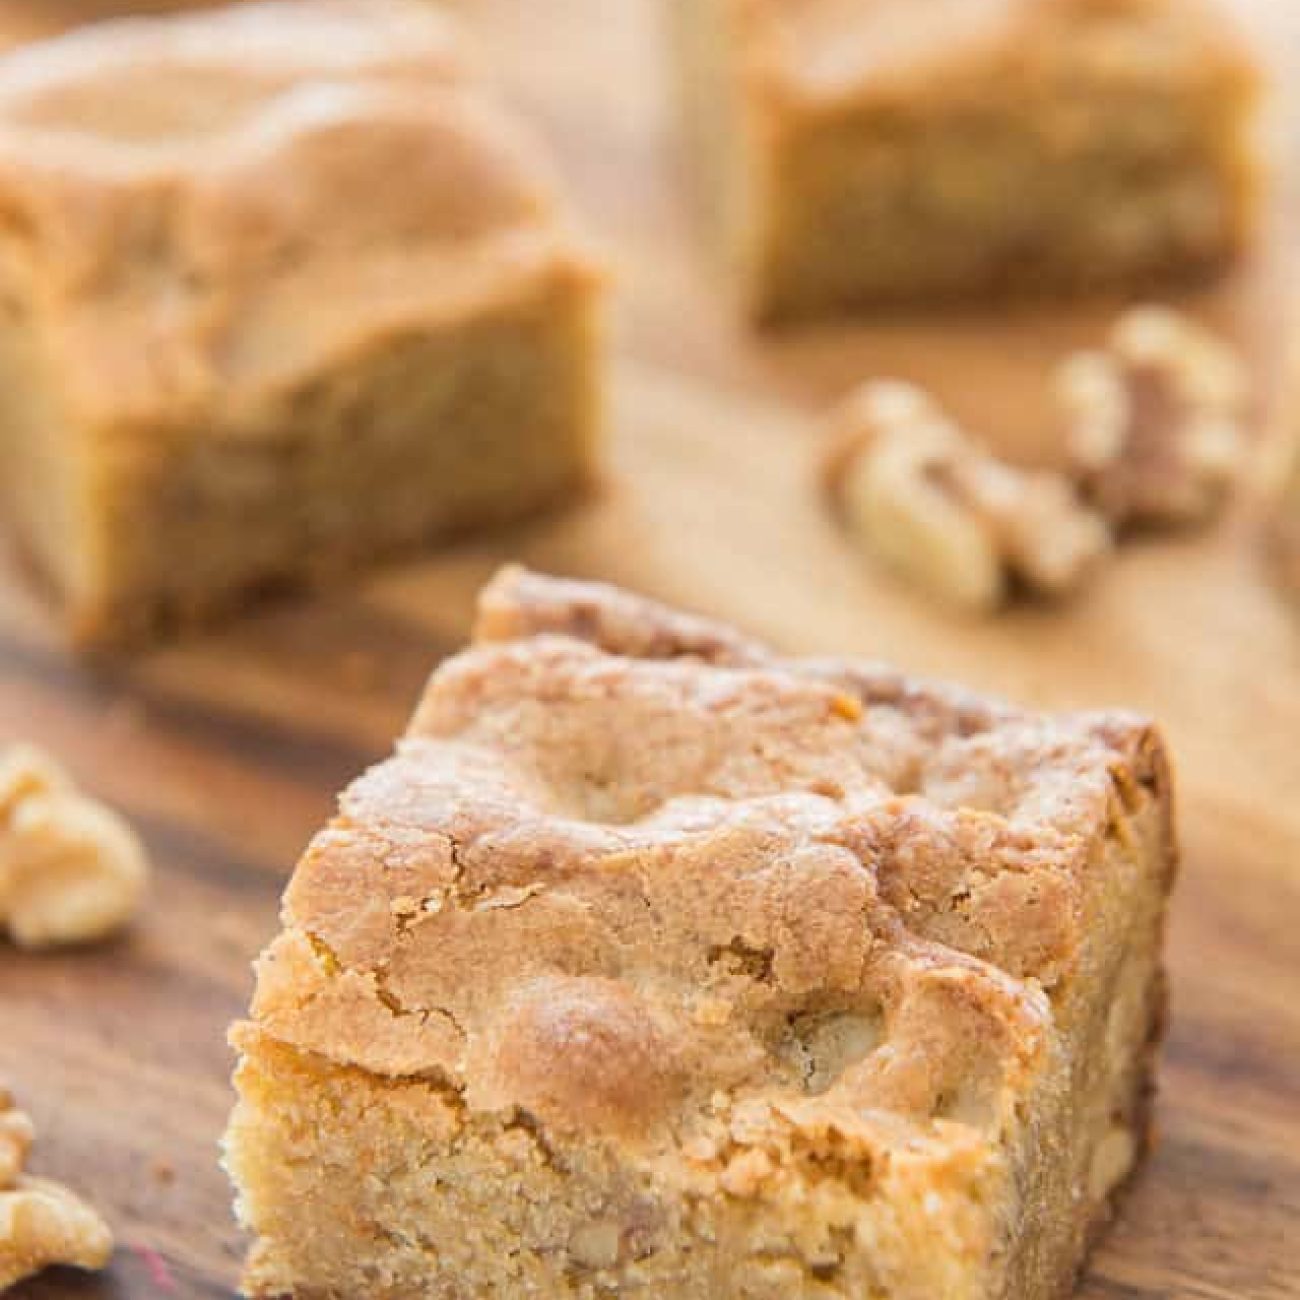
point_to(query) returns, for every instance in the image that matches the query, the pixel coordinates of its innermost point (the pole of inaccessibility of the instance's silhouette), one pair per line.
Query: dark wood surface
(227, 750)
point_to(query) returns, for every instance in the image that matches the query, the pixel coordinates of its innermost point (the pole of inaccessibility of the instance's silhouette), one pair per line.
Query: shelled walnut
(42, 1223)
(71, 870)
(938, 507)
(1155, 420)
(16, 1134)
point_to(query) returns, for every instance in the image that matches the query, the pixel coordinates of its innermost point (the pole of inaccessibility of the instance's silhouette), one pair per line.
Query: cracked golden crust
(626, 863)
(835, 52)
(173, 184)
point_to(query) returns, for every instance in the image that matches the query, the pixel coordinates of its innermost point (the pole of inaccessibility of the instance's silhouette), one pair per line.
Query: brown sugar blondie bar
(282, 289)
(654, 964)
(899, 151)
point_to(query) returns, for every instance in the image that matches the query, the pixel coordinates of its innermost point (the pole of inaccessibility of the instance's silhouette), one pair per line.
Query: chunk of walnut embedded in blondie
(71, 869)
(1155, 420)
(654, 963)
(42, 1223)
(938, 507)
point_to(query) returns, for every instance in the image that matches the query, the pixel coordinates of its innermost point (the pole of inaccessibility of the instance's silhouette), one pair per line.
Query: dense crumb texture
(282, 288)
(652, 964)
(864, 153)
(42, 1223)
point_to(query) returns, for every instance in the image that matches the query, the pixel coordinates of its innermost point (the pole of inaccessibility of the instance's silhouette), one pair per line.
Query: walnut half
(42, 1223)
(940, 509)
(1155, 420)
(71, 870)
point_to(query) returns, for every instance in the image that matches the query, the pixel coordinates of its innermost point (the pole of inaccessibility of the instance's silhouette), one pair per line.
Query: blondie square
(868, 152)
(282, 289)
(653, 964)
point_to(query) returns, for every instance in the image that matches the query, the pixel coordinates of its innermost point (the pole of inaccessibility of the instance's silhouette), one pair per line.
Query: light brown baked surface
(256, 256)
(913, 150)
(836, 49)
(653, 962)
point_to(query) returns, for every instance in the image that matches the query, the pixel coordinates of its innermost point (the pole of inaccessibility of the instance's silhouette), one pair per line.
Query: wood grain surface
(227, 750)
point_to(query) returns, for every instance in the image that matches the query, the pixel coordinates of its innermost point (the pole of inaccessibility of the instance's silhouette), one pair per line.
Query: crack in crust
(681, 865)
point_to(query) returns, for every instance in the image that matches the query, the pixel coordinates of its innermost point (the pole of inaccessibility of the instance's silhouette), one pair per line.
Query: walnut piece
(42, 1223)
(939, 508)
(1155, 420)
(16, 1134)
(71, 870)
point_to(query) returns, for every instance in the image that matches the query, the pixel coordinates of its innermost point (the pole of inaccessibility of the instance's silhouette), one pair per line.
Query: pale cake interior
(425, 434)
(653, 964)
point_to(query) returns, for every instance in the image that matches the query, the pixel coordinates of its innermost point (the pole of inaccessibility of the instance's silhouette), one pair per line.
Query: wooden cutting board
(227, 751)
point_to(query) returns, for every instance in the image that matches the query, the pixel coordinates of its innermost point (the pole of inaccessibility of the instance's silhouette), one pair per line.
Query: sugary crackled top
(626, 863)
(230, 197)
(830, 51)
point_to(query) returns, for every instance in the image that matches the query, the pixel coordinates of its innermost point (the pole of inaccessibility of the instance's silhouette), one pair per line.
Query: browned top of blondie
(229, 198)
(868, 50)
(628, 872)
